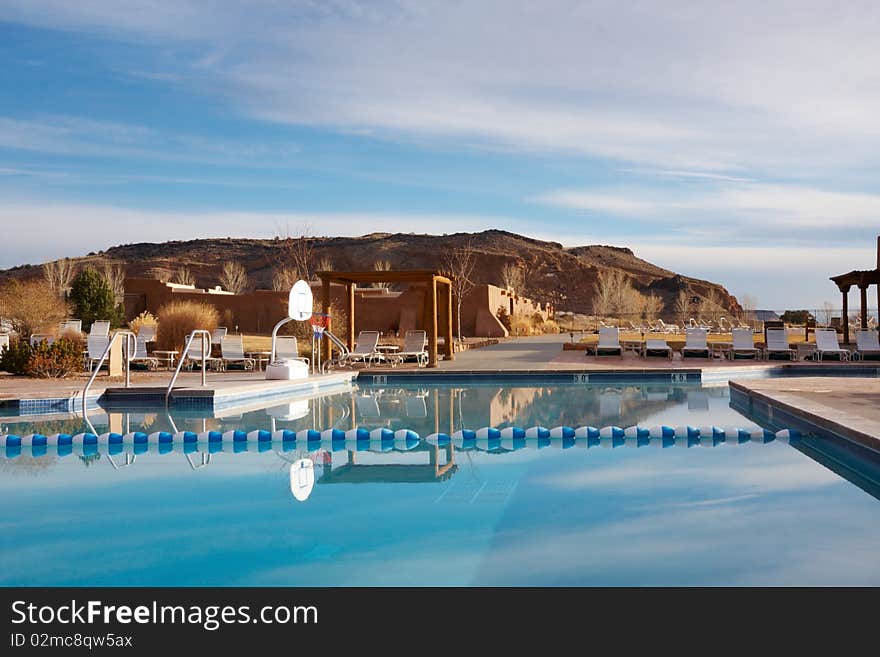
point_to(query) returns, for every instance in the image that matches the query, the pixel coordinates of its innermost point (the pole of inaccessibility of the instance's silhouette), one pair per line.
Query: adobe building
(378, 309)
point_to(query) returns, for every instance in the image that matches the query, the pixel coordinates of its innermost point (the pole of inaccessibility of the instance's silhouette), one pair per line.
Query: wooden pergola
(438, 311)
(862, 279)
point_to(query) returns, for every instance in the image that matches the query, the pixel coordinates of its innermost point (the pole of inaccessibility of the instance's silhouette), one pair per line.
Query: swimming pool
(712, 499)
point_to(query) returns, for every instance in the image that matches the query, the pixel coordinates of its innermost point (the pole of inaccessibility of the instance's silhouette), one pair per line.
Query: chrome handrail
(131, 339)
(206, 348)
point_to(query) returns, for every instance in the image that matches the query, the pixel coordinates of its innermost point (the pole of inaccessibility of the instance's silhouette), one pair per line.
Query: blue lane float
(487, 439)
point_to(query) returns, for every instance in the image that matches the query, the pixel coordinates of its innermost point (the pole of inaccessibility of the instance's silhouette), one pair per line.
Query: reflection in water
(416, 430)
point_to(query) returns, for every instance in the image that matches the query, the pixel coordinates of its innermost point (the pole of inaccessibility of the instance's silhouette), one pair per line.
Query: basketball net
(319, 322)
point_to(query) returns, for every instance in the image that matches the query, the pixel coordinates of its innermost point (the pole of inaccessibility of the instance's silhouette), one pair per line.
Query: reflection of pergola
(862, 280)
(438, 309)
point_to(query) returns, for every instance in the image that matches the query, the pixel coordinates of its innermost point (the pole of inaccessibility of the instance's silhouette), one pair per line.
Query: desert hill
(552, 272)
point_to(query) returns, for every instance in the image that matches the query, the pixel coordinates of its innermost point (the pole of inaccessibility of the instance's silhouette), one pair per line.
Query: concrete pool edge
(778, 406)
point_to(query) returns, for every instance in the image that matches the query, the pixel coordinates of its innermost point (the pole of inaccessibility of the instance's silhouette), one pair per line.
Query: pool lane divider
(384, 440)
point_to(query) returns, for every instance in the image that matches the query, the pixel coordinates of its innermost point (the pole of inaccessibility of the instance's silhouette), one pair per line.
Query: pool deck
(848, 407)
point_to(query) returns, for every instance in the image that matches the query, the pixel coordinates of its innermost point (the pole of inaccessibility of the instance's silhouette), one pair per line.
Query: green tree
(93, 299)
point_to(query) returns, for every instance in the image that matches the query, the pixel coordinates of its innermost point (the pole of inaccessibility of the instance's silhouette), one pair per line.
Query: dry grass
(178, 318)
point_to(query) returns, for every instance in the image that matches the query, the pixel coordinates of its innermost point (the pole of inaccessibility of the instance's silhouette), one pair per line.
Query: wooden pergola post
(349, 297)
(863, 310)
(324, 346)
(449, 343)
(432, 323)
(845, 313)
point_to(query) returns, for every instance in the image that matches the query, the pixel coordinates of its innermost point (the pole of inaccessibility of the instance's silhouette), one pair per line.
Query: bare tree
(296, 251)
(614, 294)
(234, 277)
(114, 272)
(159, 273)
(184, 276)
(748, 304)
(826, 313)
(382, 265)
(652, 306)
(711, 304)
(324, 264)
(513, 276)
(58, 275)
(283, 278)
(459, 262)
(682, 306)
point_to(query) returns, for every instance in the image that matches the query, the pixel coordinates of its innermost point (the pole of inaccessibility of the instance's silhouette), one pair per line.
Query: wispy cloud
(671, 85)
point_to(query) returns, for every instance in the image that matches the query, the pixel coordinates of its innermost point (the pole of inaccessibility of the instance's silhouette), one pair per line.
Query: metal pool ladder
(130, 350)
(206, 348)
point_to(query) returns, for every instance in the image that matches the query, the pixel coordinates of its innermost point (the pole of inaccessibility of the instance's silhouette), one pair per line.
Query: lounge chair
(777, 343)
(218, 334)
(414, 343)
(286, 348)
(141, 355)
(867, 344)
(4, 342)
(695, 343)
(826, 343)
(609, 341)
(414, 404)
(70, 325)
(365, 348)
(100, 327)
(232, 352)
(95, 347)
(37, 338)
(743, 344)
(655, 346)
(663, 327)
(147, 332)
(195, 355)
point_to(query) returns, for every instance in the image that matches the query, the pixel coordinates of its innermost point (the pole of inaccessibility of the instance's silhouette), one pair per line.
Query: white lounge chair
(100, 327)
(286, 348)
(655, 346)
(141, 355)
(147, 333)
(826, 343)
(70, 325)
(365, 348)
(37, 338)
(367, 406)
(414, 343)
(867, 344)
(95, 347)
(609, 342)
(663, 327)
(218, 334)
(777, 343)
(195, 355)
(696, 343)
(232, 352)
(743, 344)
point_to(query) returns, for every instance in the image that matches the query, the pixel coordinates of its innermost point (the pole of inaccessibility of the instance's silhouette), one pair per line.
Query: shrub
(62, 358)
(146, 318)
(521, 324)
(93, 299)
(14, 358)
(179, 318)
(31, 307)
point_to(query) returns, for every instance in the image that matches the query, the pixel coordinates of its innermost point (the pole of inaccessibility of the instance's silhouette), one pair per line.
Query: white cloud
(672, 85)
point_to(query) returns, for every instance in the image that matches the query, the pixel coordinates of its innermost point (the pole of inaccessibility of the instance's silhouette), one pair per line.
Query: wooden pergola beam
(408, 276)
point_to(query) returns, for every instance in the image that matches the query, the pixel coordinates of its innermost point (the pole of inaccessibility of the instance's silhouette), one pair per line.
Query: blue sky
(735, 143)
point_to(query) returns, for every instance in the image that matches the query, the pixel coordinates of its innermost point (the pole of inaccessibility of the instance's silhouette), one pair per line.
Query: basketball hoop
(320, 322)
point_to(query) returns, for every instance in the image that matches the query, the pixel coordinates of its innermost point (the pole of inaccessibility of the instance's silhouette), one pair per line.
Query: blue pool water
(601, 511)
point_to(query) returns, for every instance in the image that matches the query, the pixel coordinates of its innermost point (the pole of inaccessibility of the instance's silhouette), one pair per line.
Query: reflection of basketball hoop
(320, 322)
